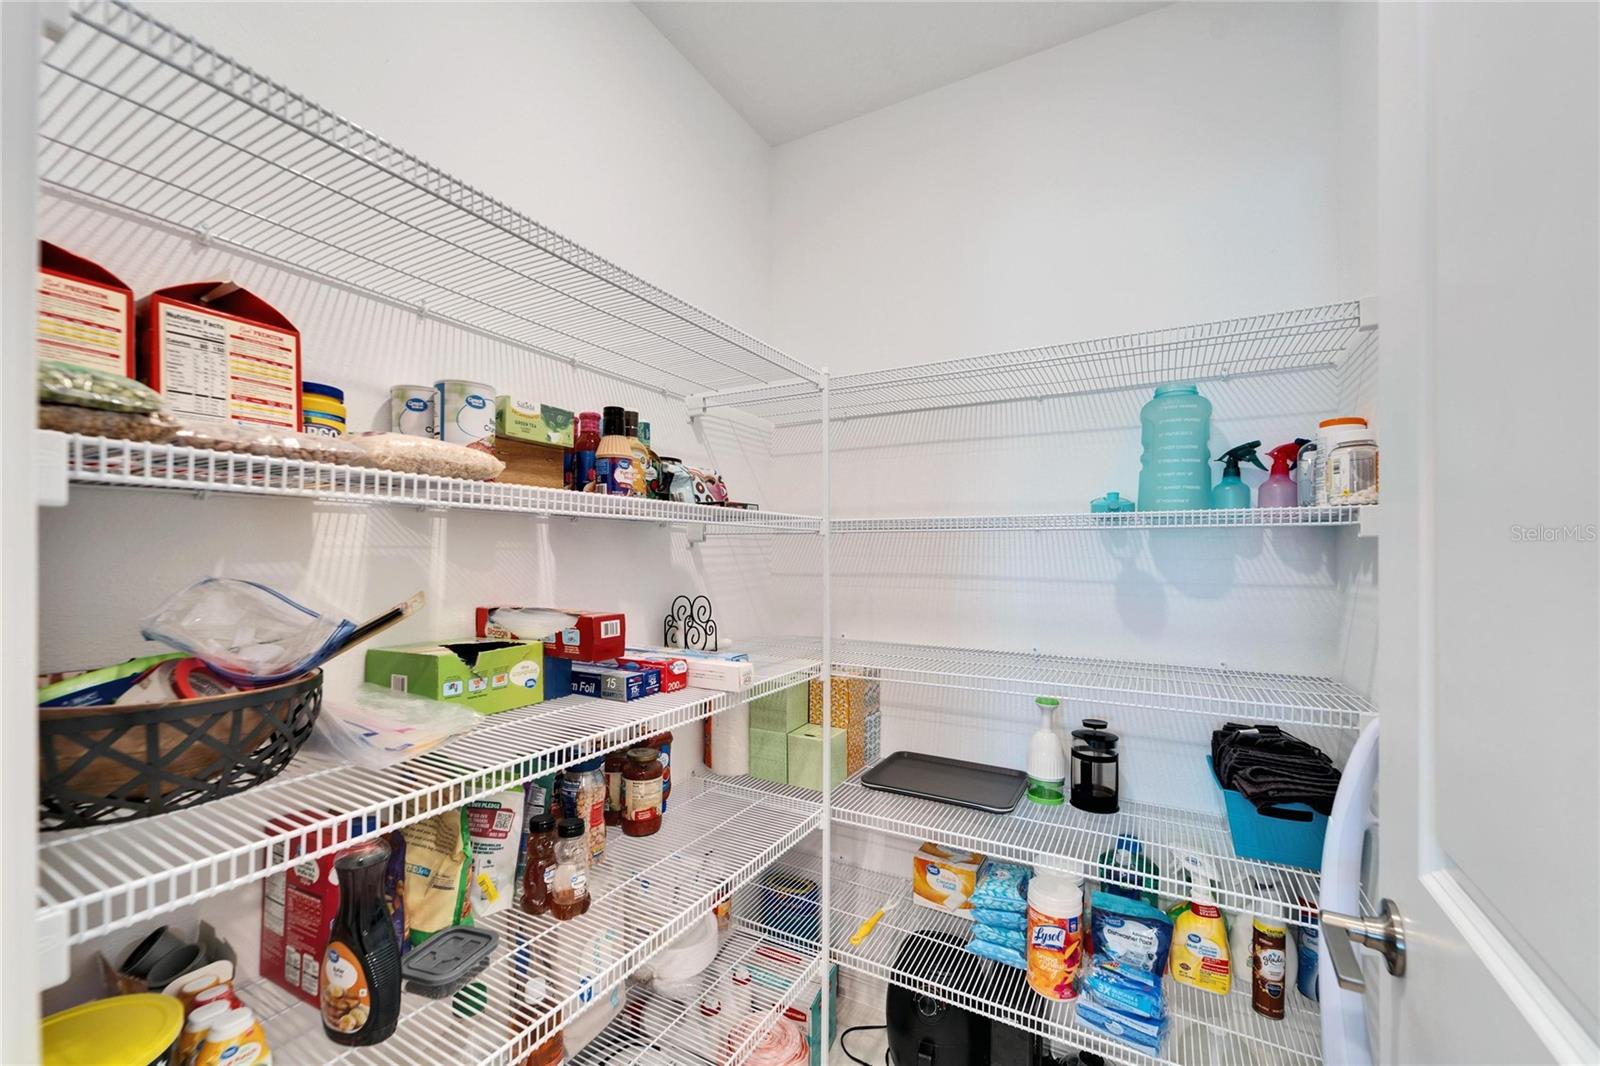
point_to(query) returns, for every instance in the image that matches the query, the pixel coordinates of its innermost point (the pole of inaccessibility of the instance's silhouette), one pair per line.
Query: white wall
(1199, 162)
(1179, 167)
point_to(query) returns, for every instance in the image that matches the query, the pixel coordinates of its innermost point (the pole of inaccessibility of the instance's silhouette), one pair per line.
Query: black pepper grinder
(1094, 768)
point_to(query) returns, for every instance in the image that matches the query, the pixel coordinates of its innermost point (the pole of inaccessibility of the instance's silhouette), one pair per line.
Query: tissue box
(854, 699)
(874, 738)
(805, 756)
(781, 712)
(769, 755)
(487, 676)
(614, 682)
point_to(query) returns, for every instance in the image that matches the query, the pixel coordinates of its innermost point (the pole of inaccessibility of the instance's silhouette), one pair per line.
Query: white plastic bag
(377, 727)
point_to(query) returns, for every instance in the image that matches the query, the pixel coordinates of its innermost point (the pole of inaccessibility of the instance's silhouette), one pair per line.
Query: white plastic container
(1332, 432)
(411, 410)
(465, 412)
(1055, 935)
(1047, 763)
(1352, 472)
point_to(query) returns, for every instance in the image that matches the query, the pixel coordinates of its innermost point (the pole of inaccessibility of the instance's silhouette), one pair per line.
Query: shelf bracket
(50, 469)
(696, 406)
(694, 533)
(1369, 313)
(1367, 521)
(55, 957)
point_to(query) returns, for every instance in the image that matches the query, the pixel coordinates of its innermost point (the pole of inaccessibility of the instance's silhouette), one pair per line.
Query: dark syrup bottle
(359, 986)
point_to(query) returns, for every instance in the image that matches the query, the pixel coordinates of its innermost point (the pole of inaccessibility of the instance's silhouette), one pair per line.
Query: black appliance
(924, 1030)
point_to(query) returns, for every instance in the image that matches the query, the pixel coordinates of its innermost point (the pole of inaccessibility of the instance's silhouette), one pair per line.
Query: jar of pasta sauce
(641, 792)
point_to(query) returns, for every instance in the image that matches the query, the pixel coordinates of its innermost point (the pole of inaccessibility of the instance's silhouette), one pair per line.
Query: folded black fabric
(1269, 766)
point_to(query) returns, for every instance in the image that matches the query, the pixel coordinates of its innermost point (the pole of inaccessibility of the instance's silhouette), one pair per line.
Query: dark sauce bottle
(359, 986)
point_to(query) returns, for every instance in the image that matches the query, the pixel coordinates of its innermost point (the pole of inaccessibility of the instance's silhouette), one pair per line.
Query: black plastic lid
(570, 827)
(630, 423)
(1095, 735)
(611, 422)
(447, 959)
(542, 823)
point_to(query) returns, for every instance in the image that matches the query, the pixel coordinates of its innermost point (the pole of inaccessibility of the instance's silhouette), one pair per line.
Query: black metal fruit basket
(100, 765)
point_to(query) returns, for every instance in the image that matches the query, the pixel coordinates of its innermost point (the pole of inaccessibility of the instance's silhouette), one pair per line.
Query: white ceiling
(792, 68)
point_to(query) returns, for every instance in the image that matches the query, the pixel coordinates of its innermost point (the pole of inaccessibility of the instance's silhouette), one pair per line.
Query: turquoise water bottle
(1175, 471)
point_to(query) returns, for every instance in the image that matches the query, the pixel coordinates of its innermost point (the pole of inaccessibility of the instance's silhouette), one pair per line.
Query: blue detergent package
(1129, 933)
(1002, 886)
(999, 953)
(1134, 995)
(1146, 1036)
(1000, 919)
(1005, 936)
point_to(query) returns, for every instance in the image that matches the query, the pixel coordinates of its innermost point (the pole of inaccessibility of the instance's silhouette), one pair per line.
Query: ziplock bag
(377, 727)
(252, 634)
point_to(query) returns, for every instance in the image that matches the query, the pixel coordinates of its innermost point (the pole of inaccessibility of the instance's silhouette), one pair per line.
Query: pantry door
(1490, 568)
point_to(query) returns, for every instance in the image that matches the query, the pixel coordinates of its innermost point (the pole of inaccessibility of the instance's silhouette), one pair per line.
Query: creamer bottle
(237, 1039)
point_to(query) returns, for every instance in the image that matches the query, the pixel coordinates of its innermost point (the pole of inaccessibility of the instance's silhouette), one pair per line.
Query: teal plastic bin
(1286, 833)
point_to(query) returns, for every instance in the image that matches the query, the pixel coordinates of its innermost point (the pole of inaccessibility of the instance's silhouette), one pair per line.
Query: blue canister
(1174, 471)
(1309, 946)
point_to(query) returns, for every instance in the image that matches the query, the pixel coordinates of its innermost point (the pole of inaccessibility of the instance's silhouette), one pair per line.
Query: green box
(769, 755)
(780, 712)
(536, 423)
(487, 676)
(805, 755)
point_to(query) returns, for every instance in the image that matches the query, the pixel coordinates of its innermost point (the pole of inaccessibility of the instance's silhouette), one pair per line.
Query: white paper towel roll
(727, 741)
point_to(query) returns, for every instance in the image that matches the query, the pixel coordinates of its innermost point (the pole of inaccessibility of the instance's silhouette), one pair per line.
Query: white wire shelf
(1071, 841)
(1203, 1029)
(141, 118)
(120, 463)
(645, 892)
(93, 881)
(1210, 692)
(1233, 518)
(1310, 338)
(656, 1030)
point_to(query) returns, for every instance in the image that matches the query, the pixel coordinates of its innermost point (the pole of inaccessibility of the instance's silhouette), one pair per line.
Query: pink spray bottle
(1279, 489)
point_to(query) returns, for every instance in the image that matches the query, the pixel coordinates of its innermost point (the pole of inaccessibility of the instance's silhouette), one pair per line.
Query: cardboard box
(674, 669)
(488, 676)
(769, 755)
(944, 878)
(809, 1015)
(538, 465)
(532, 423)
(593, 638)
(805, 756)
(854, 699)
(298, 906)
(85, 314)
(219, 353)
(613, 682)
(557, 678)
(782, 712)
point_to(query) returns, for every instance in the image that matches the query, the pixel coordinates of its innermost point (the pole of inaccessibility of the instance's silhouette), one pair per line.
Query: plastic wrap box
(613, 682)
(593, 638)
(727, 671)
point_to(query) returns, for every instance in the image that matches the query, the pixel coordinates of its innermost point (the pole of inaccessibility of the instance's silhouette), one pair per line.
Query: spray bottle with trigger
(1231, 491)
(1279, 490)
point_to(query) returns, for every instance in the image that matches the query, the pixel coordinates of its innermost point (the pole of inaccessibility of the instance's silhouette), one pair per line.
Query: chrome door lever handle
(1384, 934)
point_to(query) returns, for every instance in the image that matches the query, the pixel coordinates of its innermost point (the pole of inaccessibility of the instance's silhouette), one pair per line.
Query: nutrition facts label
(82, 324)
(215, 367)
